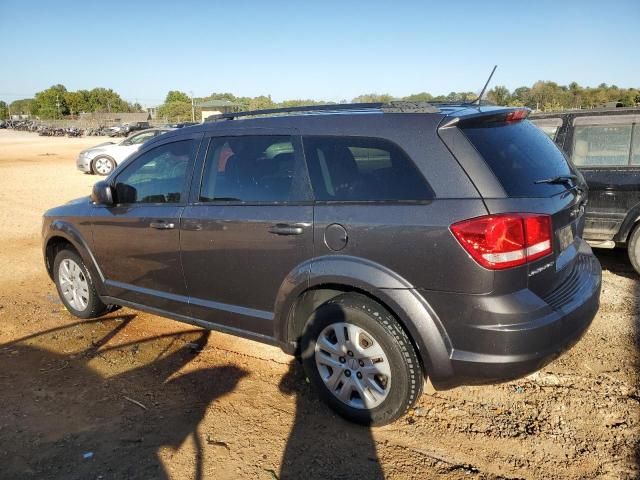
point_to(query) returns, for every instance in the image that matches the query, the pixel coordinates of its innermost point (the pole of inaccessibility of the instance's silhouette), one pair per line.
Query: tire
(338, 371)
(81, 299)
(633, 248)
(103, 165)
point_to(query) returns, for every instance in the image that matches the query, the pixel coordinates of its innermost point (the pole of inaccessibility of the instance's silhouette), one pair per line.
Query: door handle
(162, 225)
(288, 229)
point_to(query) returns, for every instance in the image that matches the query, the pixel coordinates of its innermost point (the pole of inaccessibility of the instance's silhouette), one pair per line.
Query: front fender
(389, 288)
(67, 231)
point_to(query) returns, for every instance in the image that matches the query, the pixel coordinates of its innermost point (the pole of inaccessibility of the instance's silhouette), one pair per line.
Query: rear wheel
(75, 287)
(361, 361)
(633, 248)
(103, 165)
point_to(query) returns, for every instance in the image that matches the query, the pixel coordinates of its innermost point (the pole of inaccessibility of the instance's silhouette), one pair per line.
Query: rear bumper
(499, 338)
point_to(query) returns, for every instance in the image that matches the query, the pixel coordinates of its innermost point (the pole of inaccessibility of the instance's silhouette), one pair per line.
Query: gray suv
(380, 243)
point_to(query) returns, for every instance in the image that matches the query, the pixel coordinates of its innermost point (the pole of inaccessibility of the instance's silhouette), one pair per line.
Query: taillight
(516, 115)
(505, 240)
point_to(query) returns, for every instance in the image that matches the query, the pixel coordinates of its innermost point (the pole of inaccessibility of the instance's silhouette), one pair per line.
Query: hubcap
(353, 365)
(73, 284)
(103, 166)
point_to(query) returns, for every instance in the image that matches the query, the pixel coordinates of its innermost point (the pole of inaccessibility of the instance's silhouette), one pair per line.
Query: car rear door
(137, 240)
(248, 225)
(601, 149)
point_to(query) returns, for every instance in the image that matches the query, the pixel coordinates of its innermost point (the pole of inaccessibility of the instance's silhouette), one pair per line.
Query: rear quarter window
(519, 154)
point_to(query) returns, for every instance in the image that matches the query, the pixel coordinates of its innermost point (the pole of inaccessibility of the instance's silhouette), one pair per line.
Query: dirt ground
(133, 395)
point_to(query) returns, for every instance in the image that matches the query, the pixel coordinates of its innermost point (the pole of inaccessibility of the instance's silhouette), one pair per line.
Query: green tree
(373, 98)
(22, 107)
(261, 103)
(106, 100)
(175, 111)
(500, 95)
(177, 96)
(4, 110)
(419, 97)
(77, 102)
(50, 103)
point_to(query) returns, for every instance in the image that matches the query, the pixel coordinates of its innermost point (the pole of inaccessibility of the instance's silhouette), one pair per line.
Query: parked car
(380, 243)
(604, 144)
(180, 124)
(103, 159)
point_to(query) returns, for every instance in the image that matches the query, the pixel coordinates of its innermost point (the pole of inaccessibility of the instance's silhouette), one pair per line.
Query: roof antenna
(478, 100)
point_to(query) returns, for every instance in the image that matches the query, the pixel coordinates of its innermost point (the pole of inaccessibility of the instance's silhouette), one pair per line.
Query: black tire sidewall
(359, 310)
(95, 306)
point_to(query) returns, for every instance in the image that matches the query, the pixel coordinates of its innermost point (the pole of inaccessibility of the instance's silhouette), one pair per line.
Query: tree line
(57, 101)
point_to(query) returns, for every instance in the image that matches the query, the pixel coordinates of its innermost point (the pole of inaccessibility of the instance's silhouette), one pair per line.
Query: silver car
(103, 159)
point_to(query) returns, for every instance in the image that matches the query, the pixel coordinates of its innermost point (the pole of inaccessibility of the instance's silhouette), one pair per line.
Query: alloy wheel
(73, 284)
(353, 365)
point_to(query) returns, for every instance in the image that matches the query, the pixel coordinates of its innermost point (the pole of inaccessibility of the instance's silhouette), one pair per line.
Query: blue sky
(326, 49)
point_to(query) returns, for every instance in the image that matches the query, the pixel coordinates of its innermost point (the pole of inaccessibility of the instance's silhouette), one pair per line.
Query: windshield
(520, 155)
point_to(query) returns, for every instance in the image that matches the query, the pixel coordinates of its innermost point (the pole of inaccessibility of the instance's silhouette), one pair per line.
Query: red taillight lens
(517, 115)
(505, 240)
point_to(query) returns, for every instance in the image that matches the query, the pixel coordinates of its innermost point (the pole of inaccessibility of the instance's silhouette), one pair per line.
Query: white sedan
(103, 159)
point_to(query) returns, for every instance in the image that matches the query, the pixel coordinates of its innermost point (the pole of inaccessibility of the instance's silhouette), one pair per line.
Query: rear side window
(362, 169)
(251, 169)
(601, 145)
(519, 155)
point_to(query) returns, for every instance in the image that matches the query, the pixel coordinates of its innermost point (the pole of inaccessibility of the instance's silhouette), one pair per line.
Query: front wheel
(103, 165)
(75, 287)
(361, 361)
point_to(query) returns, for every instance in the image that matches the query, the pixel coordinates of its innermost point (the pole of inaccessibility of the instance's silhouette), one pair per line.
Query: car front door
(249, 225)
(601, 149)
(137, 240)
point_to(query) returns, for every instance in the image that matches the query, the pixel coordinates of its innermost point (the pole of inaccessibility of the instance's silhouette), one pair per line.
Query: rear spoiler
(480, 117)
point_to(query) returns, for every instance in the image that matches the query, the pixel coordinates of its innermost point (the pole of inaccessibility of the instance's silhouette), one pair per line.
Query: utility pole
(193, 108)
(58, 105)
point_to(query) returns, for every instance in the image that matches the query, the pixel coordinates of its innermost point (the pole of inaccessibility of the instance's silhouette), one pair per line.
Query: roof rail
(389, 107)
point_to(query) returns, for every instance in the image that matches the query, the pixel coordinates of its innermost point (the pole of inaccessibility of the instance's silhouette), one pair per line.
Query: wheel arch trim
(377, 282)
(66, 231)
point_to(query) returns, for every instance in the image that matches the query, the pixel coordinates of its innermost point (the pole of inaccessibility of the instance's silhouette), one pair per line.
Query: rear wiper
(565, 179)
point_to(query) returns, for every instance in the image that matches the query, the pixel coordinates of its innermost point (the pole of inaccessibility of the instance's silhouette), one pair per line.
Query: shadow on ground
(322, 445)
(74, 407)
(617, 262)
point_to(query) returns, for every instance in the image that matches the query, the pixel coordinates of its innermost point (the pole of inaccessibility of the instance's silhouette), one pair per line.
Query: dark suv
(604, 144)
(380, 243)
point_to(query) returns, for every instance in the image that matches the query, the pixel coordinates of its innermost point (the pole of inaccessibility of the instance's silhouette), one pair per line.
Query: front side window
(601, 145)
(362, 169)
(157, 176)
(256, 168)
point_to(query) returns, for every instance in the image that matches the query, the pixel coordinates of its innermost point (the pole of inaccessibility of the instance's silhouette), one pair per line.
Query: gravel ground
(133, 395)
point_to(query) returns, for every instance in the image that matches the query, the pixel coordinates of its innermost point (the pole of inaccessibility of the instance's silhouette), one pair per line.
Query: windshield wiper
(560, 179)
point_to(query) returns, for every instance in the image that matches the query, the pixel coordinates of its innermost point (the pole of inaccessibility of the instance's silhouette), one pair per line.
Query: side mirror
(102, 193)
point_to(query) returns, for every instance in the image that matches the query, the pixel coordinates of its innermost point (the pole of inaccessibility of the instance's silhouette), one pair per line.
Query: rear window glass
(519, 154)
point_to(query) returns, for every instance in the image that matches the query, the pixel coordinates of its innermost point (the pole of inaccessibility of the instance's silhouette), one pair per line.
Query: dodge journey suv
(380, 243)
